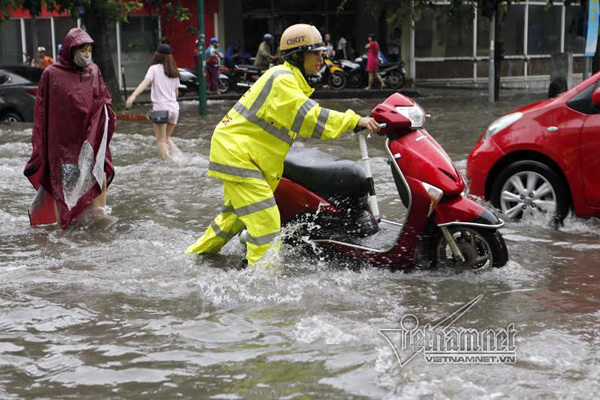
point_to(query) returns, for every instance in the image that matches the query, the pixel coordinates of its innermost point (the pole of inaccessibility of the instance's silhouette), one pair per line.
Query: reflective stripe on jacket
(254, 137)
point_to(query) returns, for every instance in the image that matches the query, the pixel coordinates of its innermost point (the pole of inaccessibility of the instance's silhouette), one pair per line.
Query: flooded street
(115, 309)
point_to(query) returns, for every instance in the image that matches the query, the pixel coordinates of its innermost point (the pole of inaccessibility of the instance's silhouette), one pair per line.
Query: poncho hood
(75, 38)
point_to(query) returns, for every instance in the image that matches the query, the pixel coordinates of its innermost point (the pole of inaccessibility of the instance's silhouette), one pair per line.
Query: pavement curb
(318, 94)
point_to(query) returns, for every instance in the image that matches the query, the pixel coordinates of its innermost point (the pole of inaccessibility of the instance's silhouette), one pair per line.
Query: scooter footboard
(460, 210)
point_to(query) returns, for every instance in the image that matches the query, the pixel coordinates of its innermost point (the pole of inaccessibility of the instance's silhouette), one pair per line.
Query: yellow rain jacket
(254, 137)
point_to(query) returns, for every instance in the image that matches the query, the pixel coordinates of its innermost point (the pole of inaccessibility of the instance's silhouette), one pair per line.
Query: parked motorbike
(332, 201)
(244, 76)
(188, 80)
(331, 74)
(224, 79)
(392, 73)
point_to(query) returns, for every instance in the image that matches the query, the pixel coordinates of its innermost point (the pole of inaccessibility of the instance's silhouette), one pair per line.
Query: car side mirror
(3, 79)
(596, 97)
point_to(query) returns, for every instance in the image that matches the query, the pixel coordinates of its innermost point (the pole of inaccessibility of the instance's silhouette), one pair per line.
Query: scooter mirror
(389, 112)
(596, 97)
(391, 120)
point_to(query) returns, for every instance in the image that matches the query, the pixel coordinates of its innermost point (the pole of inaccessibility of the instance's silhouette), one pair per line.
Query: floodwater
(115, 309)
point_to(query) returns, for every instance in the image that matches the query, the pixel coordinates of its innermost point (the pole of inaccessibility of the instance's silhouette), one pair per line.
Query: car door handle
(552, 128)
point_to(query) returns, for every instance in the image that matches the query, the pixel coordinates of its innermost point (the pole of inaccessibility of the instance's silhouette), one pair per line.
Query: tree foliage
(96, 16)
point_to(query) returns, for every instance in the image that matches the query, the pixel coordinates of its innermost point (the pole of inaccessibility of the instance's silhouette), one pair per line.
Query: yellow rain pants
(247, 204)
(248, 148)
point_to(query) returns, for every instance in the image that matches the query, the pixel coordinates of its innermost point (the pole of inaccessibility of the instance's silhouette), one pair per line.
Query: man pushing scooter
(250, 143)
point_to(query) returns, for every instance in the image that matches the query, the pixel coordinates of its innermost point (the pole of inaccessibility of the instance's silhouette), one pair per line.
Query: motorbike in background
(392, 73)
(244, 76)
(188, 80)
(331, 74)
(331, 202)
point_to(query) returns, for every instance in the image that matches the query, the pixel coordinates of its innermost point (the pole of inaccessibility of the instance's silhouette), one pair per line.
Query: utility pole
(201, 61)
(492, 73)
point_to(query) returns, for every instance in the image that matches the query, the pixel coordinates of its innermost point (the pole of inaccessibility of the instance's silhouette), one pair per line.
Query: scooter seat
(250, 68)
(324, 174)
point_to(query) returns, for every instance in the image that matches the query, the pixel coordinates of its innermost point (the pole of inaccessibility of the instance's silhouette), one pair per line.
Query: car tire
(526, 188)
(11, 116)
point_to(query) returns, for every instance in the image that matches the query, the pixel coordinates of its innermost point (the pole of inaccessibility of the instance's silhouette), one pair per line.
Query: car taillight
(32, 91)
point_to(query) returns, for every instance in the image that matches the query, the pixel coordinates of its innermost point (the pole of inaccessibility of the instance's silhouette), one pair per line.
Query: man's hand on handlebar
(368, 123)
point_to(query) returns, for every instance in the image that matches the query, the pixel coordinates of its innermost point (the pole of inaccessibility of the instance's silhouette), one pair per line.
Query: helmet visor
(317, 47)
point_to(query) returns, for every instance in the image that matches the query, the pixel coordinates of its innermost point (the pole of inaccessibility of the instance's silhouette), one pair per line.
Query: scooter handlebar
(361, 131)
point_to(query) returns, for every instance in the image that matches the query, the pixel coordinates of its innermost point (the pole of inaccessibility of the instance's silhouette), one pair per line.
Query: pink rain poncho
(73, 126)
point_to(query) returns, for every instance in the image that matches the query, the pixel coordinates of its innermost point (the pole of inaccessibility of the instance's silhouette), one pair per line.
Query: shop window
(512, 32)
(574, 29)
(439, 33)
(544, 30)
(483, 36)
(62, 26)
(44, 36)
(139, 40)
(10, 42)
(253, 5)
(295, 6)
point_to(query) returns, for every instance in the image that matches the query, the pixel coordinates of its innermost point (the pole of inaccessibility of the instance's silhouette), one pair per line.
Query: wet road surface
(115, 309)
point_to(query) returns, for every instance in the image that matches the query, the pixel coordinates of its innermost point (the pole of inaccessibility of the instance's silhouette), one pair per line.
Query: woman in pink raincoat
(373, 61)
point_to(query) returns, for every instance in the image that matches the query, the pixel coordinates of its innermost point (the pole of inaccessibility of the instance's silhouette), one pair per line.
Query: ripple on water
(90, 376)
(42, 316)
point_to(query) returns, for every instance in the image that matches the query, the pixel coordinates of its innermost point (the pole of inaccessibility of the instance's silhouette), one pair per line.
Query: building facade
(442, 46)
(132, 43)
(456, 46)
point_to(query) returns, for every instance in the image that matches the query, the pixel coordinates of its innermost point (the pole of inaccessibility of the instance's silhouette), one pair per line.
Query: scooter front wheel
(337, 80)
(482, 248)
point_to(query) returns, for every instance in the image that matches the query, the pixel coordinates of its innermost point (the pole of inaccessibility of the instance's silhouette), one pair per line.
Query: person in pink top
(164, 78)
(373, 61)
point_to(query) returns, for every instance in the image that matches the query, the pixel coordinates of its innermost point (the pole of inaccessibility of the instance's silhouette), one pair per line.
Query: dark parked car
(18, 87)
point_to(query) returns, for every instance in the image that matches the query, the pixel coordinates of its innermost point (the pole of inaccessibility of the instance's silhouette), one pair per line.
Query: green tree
(96, 15)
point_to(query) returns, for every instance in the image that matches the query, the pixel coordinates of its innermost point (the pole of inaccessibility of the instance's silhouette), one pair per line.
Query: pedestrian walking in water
(71, 164)
(164, 78)
(250, 143)
(373, 61)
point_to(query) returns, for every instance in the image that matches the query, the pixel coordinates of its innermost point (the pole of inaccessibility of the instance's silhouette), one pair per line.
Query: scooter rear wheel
(337, 80)
(223, 85)
(395, 79)
(355, 79)
(482, 248)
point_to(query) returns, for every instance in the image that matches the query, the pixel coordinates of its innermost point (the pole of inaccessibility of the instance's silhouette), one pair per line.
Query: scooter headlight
(414, 113)
(502, 123)
(435, 195)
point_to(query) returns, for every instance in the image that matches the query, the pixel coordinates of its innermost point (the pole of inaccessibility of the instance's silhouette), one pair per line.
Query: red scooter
(332, 201)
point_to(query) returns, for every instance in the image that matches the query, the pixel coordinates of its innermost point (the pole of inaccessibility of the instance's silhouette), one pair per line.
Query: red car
(543, 158)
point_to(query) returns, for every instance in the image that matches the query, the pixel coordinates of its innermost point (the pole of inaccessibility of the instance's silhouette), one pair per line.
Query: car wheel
(531, 189)
(11, 116)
